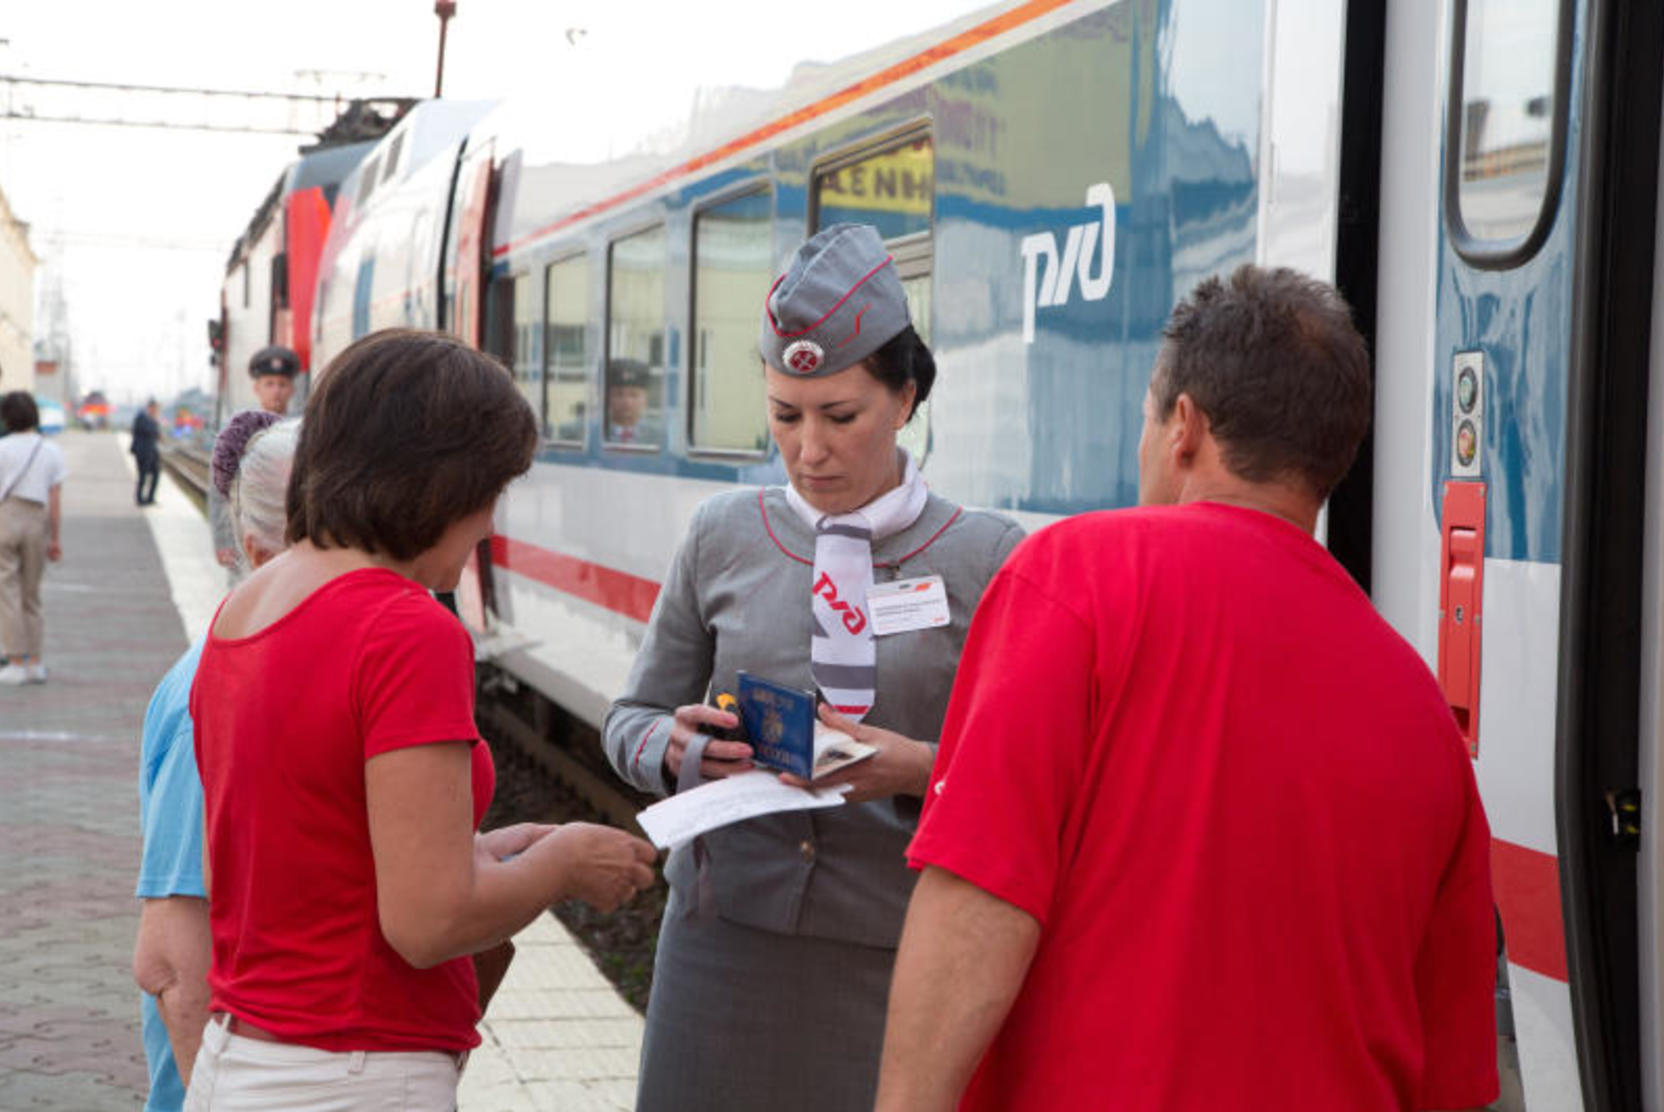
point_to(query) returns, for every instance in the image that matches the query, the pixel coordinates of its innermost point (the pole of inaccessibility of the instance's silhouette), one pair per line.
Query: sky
(137, 223)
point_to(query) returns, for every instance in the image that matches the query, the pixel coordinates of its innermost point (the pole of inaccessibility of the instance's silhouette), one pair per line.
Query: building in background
(17, 302)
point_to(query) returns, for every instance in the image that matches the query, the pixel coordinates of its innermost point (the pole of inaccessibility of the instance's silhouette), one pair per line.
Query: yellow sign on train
(895, 181)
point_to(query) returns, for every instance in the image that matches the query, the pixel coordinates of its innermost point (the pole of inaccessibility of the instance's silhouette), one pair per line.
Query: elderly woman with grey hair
(251, 464)
(774, 958)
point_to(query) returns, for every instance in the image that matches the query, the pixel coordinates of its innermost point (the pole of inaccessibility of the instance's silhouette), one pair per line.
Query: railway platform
(134, 586)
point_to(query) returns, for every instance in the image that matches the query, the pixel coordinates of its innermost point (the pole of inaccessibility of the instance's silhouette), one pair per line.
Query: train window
(367, 181)
(890, 189)
(890, 186)
(915, 435)
(1509, 66)
(393, 157)
(565, 370)
(499, 319)
(515, 337)
(634, 405)
(733, 244)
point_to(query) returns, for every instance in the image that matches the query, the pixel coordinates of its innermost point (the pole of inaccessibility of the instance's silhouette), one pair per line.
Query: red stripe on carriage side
(958, 44)
(618, 591)
(1527, 885)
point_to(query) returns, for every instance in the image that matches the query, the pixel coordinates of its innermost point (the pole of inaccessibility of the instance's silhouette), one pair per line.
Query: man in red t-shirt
(1201, 832)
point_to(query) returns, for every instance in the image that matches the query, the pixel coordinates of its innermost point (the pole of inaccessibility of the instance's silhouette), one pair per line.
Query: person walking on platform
(348, 885)
(31, 478)
(775, 952)
(147, 451)
(273, 370)
(1202, 832)
(170, 956)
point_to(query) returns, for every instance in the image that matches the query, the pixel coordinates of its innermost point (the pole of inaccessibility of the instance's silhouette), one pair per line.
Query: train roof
(561, 171)
(325, 165)
(427, 130)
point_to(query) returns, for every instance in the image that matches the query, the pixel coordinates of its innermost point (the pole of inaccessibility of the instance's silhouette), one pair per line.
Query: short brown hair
(18, 412)
(1272, 359)
(406, 433)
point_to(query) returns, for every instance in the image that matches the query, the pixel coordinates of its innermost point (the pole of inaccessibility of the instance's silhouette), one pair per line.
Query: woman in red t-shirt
(342, 773)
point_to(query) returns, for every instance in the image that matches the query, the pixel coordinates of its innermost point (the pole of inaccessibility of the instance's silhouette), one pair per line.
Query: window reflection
(1507, 123)
(635, 340)
(566, 397)
(731, 276)
(915, 435)
(890, 190)
(522, 342)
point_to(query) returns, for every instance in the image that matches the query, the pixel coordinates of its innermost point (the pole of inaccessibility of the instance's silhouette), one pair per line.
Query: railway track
(559, 746)
(190, 467)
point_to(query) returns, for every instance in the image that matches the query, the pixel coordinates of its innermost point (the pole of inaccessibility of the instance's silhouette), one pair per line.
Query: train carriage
(266, 297)
(1480, 177)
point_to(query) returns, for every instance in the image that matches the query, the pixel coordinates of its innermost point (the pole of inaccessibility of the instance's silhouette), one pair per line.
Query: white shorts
(233, 1074)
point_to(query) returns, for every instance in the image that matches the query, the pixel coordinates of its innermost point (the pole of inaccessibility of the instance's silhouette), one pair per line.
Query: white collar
(884, 516)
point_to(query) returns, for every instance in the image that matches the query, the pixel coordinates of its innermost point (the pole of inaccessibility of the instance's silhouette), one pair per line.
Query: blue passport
(785, 733)
(779, 723)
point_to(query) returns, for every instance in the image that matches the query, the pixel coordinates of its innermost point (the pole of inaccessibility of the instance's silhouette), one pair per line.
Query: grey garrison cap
(837, 303)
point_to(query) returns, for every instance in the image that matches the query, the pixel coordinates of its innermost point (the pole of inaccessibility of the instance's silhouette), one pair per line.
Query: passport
(784, 732)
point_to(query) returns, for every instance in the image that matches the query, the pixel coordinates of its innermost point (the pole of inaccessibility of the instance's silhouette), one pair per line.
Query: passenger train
(272, 274)
(1479, 177)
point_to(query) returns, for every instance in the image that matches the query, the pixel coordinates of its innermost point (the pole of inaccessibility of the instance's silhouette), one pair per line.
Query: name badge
(908, 604)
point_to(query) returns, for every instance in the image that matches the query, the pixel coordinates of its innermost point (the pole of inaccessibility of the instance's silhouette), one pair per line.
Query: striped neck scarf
(842, 655)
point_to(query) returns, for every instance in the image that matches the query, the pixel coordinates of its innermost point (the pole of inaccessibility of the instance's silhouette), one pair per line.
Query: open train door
(467, 254)
(470, 253)
(1519, 193)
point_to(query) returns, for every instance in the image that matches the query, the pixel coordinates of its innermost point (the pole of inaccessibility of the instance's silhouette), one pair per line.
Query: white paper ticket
(686, 815)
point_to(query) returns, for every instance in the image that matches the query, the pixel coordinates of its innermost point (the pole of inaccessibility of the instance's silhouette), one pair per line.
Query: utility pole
(444, 9)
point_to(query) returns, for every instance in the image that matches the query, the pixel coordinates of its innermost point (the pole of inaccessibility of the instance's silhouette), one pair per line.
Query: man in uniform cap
(273, 370)
(630, 419)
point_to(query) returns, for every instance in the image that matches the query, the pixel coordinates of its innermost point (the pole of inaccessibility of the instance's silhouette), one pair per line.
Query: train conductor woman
(774, 959)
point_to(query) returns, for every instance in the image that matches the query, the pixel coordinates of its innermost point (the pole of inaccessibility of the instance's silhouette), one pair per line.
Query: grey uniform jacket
(737, 597)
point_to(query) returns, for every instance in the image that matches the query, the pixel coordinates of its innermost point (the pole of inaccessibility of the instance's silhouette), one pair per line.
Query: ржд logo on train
(1051, 288)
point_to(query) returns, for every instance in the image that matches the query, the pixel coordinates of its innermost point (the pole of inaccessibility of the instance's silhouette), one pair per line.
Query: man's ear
(1189, 429)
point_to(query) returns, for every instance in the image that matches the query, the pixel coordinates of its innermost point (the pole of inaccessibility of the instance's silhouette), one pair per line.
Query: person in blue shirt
(252, 459)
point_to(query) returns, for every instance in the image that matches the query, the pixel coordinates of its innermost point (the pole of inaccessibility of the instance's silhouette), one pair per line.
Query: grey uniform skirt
(744, 1019)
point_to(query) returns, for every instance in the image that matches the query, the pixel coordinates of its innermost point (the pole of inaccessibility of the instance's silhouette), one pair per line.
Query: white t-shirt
(44, 472)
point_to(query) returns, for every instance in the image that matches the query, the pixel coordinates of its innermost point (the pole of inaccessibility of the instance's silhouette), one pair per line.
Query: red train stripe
(618, 591)
(1527, 885)
(905, 68)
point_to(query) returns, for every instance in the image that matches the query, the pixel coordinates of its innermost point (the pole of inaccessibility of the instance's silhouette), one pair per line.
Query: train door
(464, 294)
(462, 301)
(1519, 154)
(1650, 766)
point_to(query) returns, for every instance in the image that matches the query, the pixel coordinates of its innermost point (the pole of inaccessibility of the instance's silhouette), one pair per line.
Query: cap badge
(276, 363)
(804, 357)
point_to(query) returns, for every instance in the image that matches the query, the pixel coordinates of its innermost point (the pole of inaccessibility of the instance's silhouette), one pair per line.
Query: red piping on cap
(851, 337)
(774, 324)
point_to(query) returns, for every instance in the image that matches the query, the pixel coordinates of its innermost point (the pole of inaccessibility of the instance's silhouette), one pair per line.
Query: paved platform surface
(132, 589)
(69, 802)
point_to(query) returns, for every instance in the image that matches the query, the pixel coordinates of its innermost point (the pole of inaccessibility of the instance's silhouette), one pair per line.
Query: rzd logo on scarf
(853, 619)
